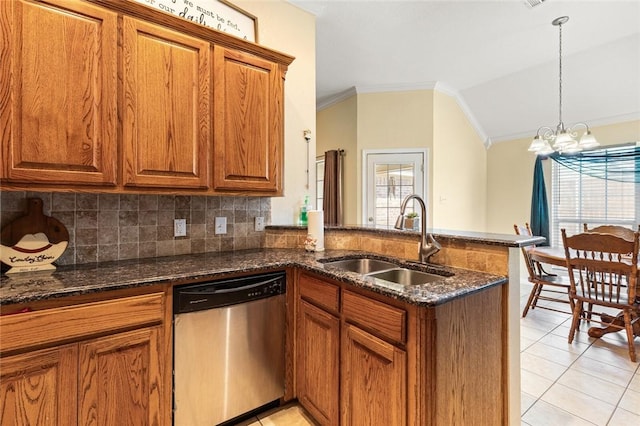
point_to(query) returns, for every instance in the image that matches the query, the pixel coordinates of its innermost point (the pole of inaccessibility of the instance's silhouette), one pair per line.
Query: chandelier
(562, 139)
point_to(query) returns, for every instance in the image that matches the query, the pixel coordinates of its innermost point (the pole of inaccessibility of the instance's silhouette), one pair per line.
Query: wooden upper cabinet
(248, 123)
(166, 111)
(58, 76)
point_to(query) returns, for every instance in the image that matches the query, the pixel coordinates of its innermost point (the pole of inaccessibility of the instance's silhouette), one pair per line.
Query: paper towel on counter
(315, 227)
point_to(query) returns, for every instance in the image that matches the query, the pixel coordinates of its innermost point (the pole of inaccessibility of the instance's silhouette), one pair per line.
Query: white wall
(284, 27)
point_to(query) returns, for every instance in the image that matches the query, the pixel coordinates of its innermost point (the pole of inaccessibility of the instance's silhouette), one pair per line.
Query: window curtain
(539, 207)
(332, 191)
(617, 163)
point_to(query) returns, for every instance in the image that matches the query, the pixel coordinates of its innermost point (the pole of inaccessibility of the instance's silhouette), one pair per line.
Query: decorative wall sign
(34, 241)
(217, 14)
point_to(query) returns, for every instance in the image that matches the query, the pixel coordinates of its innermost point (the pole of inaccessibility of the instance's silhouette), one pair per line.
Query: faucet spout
(428, 245)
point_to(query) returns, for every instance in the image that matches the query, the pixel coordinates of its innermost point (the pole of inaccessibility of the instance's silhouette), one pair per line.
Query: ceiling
(498, 58)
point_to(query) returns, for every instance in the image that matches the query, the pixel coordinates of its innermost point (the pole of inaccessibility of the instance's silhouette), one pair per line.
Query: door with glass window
(389, 177)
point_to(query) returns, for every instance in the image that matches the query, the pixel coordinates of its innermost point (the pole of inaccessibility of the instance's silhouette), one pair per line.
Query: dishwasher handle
(215, 294)
(222, 289)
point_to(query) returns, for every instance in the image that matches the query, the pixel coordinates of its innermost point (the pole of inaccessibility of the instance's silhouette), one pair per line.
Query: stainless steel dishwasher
(228, 348)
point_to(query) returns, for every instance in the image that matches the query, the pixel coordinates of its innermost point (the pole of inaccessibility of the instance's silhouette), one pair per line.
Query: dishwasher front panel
(228, 361)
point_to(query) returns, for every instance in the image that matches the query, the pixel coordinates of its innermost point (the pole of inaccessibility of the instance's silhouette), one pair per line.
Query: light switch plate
(180, 227)
(259, 225)
(221, 225)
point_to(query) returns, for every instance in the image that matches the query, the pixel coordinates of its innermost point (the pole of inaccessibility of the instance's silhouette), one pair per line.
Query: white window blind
(578, 198)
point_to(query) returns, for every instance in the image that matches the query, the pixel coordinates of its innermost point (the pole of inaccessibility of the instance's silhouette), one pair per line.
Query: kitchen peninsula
(442, 349)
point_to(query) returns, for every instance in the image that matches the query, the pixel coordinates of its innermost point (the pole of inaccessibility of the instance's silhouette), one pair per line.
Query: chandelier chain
(564, 140)
(560, 77)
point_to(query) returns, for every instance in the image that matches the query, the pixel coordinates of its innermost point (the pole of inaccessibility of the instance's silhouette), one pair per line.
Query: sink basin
(362, 266)
(407, 276)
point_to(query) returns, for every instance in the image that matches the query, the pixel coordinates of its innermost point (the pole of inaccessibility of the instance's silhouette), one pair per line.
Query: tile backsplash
(104, 227)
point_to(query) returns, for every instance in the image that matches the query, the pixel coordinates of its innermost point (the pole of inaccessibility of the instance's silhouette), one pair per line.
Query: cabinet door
(373, 380)
(120, 379)
(166, 112)
(58, 77)
(248, 122)
(39, 388)
(318, 351)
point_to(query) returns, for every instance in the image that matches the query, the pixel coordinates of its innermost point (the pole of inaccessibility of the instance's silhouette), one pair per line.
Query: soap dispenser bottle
(304, 220)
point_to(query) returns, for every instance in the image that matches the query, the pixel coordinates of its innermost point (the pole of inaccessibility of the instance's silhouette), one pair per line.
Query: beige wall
(412, 119)
(373, 121)
(459, 169)
(394, 120)
(284, 27)
(470, 188)
(510, 175)
(337, 129)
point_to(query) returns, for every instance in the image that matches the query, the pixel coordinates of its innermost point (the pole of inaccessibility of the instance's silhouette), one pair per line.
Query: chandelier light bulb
(536, 144)
(588, 141)
(546, 149)
(563, 140)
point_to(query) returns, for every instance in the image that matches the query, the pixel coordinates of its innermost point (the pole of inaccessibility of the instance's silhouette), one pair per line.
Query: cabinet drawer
(49, 326)
(379, 318)
(320, 293)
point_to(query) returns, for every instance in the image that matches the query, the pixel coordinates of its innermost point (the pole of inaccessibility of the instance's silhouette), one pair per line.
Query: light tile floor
(589, 382)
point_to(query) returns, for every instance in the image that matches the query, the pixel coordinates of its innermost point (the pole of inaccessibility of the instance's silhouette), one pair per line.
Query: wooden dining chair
(603, 272)
(550, 284)
(620, 231)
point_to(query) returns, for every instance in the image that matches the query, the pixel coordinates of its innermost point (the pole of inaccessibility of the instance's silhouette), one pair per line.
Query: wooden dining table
(556, 256)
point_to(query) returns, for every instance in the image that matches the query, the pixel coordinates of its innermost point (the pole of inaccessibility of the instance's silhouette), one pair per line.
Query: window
(388, 177)
(319, 183)
(578, 198)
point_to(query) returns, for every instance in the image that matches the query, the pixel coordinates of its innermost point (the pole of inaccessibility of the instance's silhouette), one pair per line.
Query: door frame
(425, 175)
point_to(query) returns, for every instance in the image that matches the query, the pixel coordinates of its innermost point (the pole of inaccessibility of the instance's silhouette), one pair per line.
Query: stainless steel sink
(362, 266)
(387, 271)
(406, 276)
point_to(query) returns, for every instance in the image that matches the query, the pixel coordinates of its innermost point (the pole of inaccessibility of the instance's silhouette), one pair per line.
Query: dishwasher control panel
(213, 294)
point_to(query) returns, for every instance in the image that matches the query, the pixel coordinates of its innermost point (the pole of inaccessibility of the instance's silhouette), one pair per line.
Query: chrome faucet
(428, 245)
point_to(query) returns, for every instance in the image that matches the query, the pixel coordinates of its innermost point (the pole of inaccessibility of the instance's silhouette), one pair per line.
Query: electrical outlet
(221, 225)
(180, 227)
(259, 226)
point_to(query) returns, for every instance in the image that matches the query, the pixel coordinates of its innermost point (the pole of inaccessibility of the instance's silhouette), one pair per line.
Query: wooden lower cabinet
(104, 364)
(373, 380)
(346, 375)
(398, 363)
(119, 379)
(318, 349)
(38, 388)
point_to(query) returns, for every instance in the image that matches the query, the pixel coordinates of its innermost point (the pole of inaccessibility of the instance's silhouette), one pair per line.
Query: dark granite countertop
(91, 278)
(494, 239)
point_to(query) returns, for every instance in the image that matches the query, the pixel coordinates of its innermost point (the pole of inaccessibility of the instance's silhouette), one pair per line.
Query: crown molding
(410, 87)
(337, 98)
(400, 87)
(447, 90)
